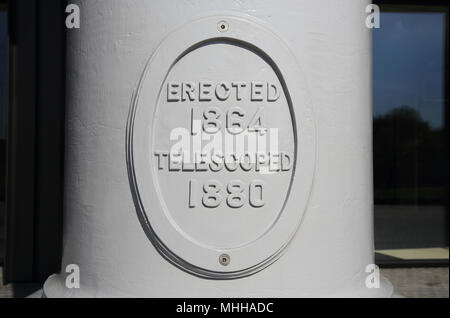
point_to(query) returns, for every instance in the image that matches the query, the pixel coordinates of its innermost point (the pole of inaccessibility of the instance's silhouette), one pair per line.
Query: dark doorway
(31, 135)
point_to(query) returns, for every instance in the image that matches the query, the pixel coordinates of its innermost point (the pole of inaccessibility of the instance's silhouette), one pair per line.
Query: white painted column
(139, 224)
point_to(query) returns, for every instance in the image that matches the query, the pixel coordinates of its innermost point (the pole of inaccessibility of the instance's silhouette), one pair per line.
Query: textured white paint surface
(102, 234)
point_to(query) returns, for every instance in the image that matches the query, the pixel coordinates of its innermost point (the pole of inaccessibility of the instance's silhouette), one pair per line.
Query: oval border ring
(249, 32)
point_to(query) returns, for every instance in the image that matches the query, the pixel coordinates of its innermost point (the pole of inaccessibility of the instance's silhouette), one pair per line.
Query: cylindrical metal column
(291, 219)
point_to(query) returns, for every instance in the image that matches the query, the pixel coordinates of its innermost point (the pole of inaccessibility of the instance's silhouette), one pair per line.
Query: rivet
(224, 259)
(222, 26)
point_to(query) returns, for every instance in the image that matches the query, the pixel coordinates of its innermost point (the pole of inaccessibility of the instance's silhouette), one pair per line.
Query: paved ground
(2, 231)
(5, 291)
(408, 282)
(419, 282)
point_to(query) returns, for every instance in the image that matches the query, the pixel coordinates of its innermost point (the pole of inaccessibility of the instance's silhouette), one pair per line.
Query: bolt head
(224, 259)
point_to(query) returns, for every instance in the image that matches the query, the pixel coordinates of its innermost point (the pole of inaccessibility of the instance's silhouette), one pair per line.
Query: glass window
(410, 164)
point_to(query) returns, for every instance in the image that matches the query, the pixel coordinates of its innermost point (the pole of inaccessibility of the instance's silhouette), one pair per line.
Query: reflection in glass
(409, 140)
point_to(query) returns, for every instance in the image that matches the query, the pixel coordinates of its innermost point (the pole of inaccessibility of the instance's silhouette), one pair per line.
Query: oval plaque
(220, 148)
